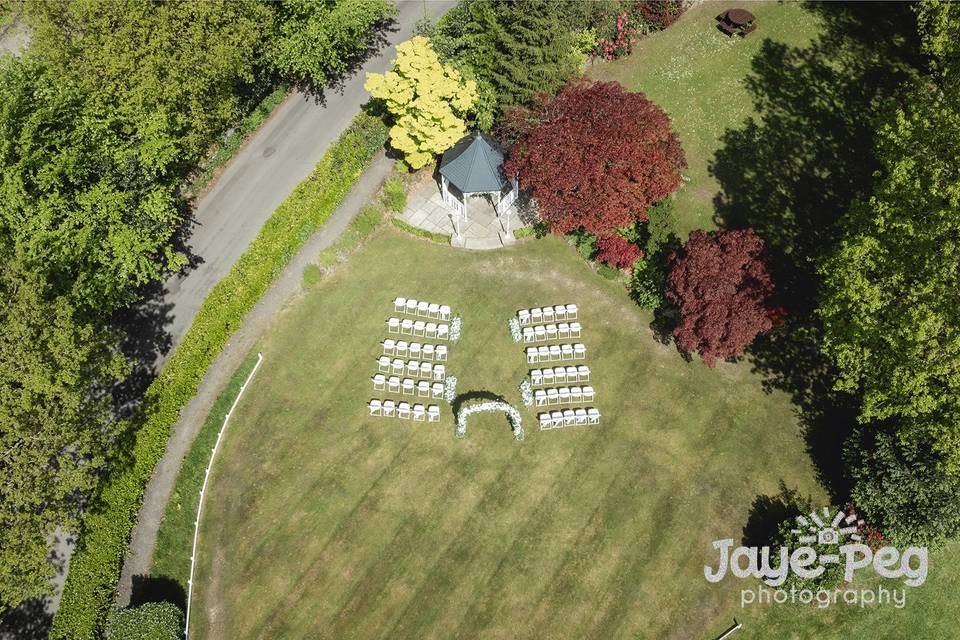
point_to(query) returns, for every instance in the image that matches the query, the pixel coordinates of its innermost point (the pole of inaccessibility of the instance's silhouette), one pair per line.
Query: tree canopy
(594, 156)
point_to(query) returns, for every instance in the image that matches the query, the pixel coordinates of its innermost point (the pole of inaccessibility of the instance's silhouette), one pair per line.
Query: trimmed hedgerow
(95, 566)
(150, 621)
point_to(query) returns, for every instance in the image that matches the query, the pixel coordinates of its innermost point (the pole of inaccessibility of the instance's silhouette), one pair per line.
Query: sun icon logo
(813, 528)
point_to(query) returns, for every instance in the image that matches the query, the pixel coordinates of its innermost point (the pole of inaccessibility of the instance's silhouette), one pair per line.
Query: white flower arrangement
(515, 330)
(526, 392)
(455, 328)
(450, 388)
(516, 423)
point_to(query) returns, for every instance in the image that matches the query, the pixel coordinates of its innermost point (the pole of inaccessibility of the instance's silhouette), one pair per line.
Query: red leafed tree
(594, 156)
(616, 251)
(720, 283)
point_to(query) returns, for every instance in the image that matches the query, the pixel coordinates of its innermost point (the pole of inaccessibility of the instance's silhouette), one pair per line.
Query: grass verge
(440, 238)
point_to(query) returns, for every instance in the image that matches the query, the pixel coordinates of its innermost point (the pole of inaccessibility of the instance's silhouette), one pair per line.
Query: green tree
(427, 99)
(318, 39)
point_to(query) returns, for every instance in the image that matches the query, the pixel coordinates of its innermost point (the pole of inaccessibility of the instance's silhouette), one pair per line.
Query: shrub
(616, 251)
(646, 285)
(95, 566)
(585, 244)
(394, 195)
(150, 621)
(661, 229)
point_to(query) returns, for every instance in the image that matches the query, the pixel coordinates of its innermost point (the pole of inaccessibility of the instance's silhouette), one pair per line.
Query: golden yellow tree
(427, 99)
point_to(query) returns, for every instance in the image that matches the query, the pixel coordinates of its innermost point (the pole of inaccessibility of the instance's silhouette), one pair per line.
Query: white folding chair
(567, 351)
(444, 312)
(406, 326)
(556, 417)
(583, 372)
(548, 376)
(551, 331)
(571, 375)
(579, 351)
(379, 382)
(547, 313)
(389, 408)
(523, 317)
(555, 352)
(422, 308)
(593, 416)
(415, 348)
(431, 329)
(575, 329)
(536, 315)
(564, 395)
(560, 312)
(559, 374)
(569, 418)
(433, 311)
(399, 304)
(393, 384)
(540, 398)
(545, 421)
(588, 394)
(419, 413)
(423, 389)
(576, 394)
(533, 357)
(403, 410)
(383, 364)
(439, 372)
(572, 312)
(433, 413)
(419, 328)
(429, 351)
(540, 332)
(408, 388)
(393, 325)
(581, 415)
(413, 368)
(376, 407)
(436, 390)
(402, 347)
(528, 335)
(563, 330)
(536, 377)
(441, 352)
(389, 347)
(426, 370)
(411, 307)
(553, 396)
(443, 331)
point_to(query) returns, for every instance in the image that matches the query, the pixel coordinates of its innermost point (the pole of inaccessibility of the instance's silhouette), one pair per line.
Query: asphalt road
(267, 169)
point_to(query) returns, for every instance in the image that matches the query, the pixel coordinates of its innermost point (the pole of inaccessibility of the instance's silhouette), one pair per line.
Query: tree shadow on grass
(790, 173)
(768, 512)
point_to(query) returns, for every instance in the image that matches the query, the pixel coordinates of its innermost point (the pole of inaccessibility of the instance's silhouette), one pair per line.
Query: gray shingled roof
(473, 165)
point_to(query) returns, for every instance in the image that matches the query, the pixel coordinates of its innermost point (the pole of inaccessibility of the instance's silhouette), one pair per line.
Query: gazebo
(474, 167)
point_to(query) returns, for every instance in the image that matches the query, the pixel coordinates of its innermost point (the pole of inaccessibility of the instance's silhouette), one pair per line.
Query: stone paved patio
(482, 230)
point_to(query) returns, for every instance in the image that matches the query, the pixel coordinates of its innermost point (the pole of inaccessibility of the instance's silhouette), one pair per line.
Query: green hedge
(95, 567)
(441, 238)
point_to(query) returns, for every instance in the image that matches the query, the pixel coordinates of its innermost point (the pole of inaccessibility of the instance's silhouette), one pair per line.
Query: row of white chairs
(390, 409)
(560, 374)
(563, 395)
(409, 327)
(427, 351)
(556, 352)
(547, 314)
(422, 308)
(568, 418)
(413, 368)
(407, 386)
(543, 332)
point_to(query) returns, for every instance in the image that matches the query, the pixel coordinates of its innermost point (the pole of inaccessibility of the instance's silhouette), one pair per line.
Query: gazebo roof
(473, 165)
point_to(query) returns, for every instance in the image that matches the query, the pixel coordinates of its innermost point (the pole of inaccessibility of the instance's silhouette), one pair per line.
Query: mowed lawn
(697, 75)
(322, 522)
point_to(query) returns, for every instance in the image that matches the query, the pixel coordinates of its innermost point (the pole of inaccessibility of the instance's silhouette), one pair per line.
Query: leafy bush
(440, 238)
(150, 621)
(394, 195)
(95, 566)
(616, 251)
(646, 285)
(660, 232)
(585, 243)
